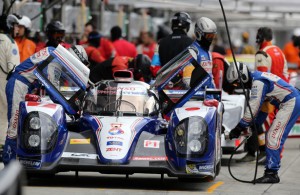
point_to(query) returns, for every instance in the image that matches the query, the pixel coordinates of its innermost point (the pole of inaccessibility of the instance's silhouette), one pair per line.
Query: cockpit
(121, 98)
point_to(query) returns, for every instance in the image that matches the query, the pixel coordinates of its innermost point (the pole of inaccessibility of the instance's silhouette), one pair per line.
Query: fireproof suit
(9, 57)
(21, 82)
(271, 59)
(286, 98)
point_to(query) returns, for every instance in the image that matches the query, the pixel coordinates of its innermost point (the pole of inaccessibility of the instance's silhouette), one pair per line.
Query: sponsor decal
(80, 141)
(14, 51)
(275, 131)
(150, 158)
(151, 144)
(205, 167)
(79, 155)
(16, 117)
(45, 105)
(30, 163)
(114, 137)
(117, 143)
(191, 168)
(113, 149)
(115, 129)
(192, 109)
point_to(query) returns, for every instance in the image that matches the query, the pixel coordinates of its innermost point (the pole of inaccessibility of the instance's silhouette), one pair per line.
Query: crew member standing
(9, 58)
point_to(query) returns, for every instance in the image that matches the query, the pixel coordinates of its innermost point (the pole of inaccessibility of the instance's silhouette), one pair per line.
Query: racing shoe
(269, 177)
(247, 158)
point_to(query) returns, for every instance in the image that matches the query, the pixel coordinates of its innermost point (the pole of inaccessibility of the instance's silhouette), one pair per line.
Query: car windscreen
(110, 97)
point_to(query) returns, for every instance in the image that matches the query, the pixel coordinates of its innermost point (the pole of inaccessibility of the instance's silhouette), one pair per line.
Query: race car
(120, 126)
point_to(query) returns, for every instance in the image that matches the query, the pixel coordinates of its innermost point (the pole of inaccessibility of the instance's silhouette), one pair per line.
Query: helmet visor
(58, 35)
(209, 36)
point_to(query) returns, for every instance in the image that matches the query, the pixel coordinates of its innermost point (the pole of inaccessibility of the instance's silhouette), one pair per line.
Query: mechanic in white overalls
(283, 96)
(9, 58)
(23, 81)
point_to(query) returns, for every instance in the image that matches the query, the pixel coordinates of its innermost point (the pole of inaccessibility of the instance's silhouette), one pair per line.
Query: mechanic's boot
(269, 177)
(247, 158)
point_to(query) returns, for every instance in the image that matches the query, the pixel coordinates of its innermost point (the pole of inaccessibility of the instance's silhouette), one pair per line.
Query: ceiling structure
(281, 14)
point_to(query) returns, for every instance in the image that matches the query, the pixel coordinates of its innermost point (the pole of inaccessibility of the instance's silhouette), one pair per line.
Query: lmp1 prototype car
(117, 126)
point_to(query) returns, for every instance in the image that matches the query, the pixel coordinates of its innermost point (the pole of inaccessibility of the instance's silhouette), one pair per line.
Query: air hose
(254, 130)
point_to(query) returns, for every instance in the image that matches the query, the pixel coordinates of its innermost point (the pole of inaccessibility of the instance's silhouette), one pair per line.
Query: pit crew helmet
(26, 22)
(181, 20)
(79, 52)
(264, 33)
(205, 29)
(12, 19)
(232, 74)
(55, 31)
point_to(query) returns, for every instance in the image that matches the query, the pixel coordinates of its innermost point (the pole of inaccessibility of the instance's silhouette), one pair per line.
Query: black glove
(236, 132)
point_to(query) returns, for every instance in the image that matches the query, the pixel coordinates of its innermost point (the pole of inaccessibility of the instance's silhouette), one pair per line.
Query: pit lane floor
(94, 183)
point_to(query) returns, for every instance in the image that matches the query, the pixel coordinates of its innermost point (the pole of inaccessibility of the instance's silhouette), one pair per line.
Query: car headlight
(34, 140)
(195, 145)
(191, 136)
(35, 123)
(39, 133)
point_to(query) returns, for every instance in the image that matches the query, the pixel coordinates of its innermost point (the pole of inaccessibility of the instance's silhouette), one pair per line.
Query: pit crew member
(23, 81)
(286, 98)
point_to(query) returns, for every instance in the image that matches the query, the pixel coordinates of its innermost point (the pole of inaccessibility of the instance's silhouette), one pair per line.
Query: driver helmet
(141, 68)
(205, 29)
(181, 20)
(79, 52)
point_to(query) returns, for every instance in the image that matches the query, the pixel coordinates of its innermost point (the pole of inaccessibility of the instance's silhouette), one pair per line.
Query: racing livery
(121, 126)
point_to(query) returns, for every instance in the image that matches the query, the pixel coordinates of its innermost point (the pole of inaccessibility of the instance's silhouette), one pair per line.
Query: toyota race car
(120, 126)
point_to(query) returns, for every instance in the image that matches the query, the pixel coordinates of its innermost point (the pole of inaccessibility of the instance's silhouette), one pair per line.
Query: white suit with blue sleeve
(286, 98)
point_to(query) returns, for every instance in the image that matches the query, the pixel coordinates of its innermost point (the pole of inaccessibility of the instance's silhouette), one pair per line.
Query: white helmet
(79, 52)
(232, 74)
(205, 28)
(26, 22)
(12, 19)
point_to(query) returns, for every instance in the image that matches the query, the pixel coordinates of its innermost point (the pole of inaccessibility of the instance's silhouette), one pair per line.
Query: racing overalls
(21, 82)
(271, 59)
(9, 57)
(168, 48)
(204, 58)
(286, 98)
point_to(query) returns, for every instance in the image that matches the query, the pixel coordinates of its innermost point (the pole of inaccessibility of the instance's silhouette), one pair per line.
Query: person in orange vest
(291, 51)
(25, 45)
(148, 44)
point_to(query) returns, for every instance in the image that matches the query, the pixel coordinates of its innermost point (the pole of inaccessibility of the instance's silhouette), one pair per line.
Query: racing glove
(236, 132)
